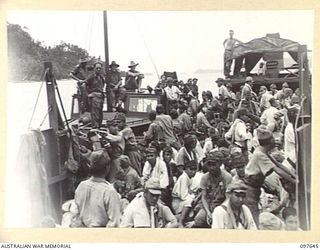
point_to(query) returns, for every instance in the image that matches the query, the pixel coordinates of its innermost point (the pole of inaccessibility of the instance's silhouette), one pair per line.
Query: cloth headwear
(263, 133)
(215, 156)
(190, 164)
(237, 186)
(238, 160)
(84, 59)
(124, 160)
(285, 85)
(219, 80)
(120, 116)
(188, 139)
(153, 186)
(249, 79)
(99, 160)
(151, 150)
(268, 221)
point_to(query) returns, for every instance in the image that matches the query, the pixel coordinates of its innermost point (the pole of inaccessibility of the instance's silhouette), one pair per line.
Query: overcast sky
(183, 41)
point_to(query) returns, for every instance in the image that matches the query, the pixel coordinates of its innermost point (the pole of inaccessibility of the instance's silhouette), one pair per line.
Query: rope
(44, 118)
(37, 100)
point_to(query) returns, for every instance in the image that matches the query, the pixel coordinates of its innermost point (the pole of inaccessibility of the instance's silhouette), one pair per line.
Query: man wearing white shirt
(172, 92)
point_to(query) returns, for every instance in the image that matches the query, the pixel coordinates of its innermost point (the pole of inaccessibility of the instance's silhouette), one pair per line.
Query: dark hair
(160, 109)
(173, 113)
(152, 115)
(288, 211)
(182, 107)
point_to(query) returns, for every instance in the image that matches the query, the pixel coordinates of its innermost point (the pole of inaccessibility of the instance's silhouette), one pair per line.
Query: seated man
(145, 210)
(182, 195)
(232, 213)
(213, 185)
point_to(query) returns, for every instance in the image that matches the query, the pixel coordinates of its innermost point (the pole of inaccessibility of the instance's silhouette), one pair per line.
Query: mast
(106, 54)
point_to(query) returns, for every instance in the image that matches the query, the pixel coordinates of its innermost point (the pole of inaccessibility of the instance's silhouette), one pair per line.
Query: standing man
(80, 73)
(228, 45)
(113, 88)
(247, 88)
(95, 85)
(133, 78)
(265, 98)
(173, 93)
(233, 213)
(224, 96)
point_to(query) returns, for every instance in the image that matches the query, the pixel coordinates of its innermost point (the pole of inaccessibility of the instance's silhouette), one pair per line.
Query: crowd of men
(225, 162)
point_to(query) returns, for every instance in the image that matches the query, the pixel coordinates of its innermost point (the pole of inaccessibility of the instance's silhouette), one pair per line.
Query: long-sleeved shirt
(98, 203)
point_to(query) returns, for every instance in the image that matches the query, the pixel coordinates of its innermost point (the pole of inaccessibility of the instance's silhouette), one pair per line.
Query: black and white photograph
(159, 119)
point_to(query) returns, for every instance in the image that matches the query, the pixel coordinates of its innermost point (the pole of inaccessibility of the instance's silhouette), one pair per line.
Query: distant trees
(26, 56)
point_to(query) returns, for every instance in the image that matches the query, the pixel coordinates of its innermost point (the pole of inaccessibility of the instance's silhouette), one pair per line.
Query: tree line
(26, 56)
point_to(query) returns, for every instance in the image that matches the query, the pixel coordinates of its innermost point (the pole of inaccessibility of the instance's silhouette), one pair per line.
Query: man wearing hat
(80, 73)
(133, 78)
(238, 162)
(115, 93)
(145, 211)
(132, 179)
(213, 185)
(233, 213)
(97, 201)
(247, 88)
(259, 167)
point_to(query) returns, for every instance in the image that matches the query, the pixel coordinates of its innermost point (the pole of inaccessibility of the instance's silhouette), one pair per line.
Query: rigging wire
(148, 50)
(38, 96)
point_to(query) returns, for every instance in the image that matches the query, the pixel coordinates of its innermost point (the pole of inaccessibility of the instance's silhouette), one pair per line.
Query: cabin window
(144, 105)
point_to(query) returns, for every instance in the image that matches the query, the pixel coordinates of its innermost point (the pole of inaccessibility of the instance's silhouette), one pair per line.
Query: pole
(106, 53)
(303, 138)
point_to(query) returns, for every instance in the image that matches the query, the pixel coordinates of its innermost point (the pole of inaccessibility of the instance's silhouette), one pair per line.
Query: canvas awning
(254, 50)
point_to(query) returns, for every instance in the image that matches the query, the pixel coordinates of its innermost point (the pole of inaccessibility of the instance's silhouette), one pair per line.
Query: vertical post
(51, 97)
(106, 52)
(303, 141)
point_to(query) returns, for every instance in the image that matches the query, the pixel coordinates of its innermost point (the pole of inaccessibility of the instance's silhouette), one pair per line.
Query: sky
(181, 41)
